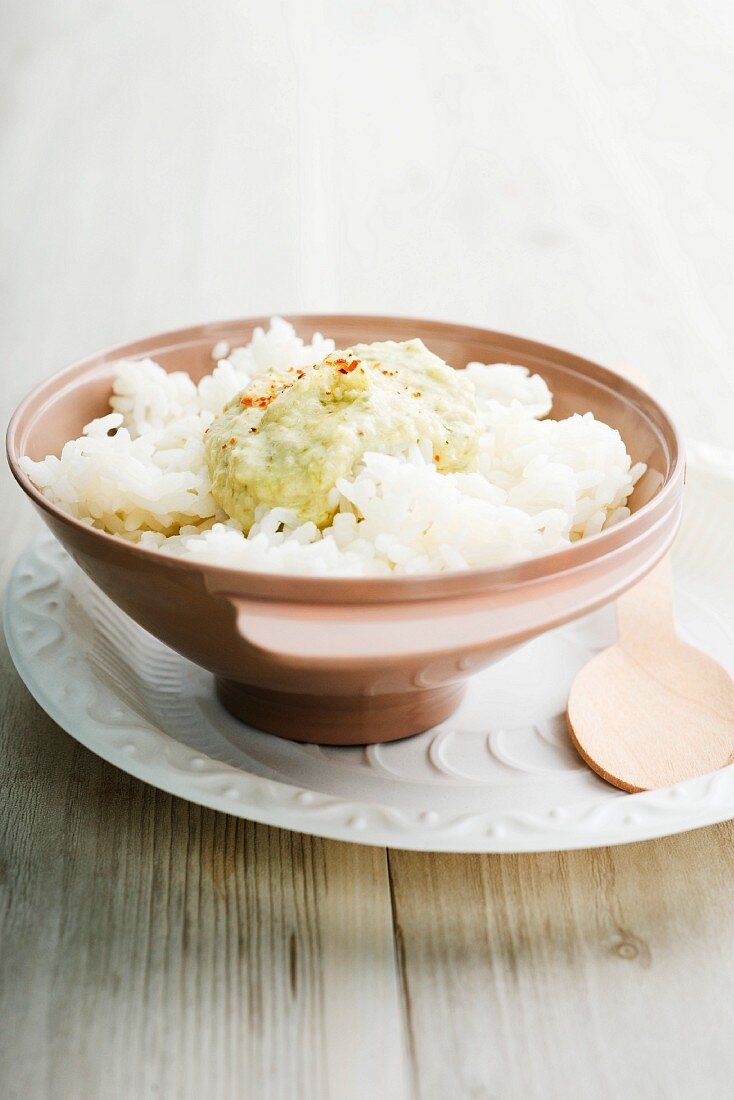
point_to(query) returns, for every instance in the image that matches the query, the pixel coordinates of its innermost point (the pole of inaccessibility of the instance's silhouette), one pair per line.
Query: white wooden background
(557, 168)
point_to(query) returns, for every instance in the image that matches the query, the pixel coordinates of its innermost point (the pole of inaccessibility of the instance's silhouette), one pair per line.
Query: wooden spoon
(651, 711)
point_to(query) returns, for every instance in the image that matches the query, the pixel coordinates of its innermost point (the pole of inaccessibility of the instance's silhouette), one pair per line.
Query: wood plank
(151, 947)
(573, 975)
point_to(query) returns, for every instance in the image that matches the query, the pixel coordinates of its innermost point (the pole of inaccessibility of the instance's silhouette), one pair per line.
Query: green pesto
(290, 435)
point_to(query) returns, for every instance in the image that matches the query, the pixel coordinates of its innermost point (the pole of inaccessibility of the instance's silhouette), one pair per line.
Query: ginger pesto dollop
(286, 439)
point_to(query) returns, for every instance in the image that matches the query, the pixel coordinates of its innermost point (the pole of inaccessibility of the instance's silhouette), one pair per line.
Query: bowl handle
(306, 635)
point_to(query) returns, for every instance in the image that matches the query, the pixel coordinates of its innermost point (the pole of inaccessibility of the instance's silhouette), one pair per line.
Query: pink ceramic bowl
(343, 661)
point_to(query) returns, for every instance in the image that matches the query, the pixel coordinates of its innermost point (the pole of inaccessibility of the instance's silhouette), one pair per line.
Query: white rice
(140, 473)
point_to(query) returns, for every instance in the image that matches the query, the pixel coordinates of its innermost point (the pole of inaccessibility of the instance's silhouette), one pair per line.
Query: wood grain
(151, 947)
(572, 975)
(559, 170)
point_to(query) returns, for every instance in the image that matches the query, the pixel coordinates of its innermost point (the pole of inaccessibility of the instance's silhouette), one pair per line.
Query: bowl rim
(305, 588)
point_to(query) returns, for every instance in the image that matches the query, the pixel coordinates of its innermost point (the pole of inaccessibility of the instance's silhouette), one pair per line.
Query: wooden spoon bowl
(651, 710)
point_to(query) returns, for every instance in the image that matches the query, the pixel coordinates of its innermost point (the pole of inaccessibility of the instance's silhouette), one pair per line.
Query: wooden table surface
(563, 170)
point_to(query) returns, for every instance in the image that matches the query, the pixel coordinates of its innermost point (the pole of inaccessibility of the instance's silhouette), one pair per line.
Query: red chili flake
(436, 458)
(233, 441)
(337, 360)
(300, 373)
(417, 393)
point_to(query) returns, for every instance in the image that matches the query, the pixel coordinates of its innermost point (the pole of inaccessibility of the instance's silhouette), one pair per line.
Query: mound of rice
(140, 473)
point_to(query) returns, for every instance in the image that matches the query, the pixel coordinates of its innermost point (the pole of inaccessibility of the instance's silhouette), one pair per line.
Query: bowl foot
(339, 719)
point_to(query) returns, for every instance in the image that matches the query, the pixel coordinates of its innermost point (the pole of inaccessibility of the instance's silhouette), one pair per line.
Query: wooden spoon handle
(645, 612)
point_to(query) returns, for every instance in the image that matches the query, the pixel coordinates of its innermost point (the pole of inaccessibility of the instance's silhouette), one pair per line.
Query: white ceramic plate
(500, 775)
